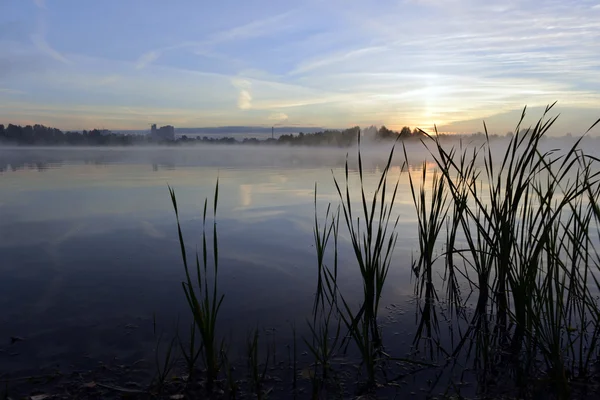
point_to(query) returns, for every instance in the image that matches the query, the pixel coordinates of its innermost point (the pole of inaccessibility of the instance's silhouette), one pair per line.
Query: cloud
(42, 45)
(147, 58)
(245, 100)
(11, 91)
(337, 58)
(254, 29)
(40, 3)
(327, 63)
(109, 79)
(257, 28)
(279, 116)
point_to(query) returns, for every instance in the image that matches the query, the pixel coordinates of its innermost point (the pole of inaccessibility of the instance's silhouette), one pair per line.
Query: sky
(124, 64)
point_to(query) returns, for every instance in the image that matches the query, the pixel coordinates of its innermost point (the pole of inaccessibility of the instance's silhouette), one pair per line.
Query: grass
(373, 240)
(518, 236)
(203, 299)
(527, 252)
(515, 233)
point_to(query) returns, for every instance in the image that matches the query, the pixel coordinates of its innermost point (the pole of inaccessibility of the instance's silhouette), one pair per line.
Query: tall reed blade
(202, 297)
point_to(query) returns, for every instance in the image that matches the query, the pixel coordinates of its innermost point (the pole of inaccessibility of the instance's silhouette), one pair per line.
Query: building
(163, 133)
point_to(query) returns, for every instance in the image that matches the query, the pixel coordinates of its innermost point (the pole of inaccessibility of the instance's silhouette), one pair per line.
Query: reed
(431, 215)
(525, 225)
(372, 235)
(519, 235)
(202, 296)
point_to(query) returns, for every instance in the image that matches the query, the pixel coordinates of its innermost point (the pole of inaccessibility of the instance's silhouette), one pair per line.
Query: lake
(90, 258)
(90, 251)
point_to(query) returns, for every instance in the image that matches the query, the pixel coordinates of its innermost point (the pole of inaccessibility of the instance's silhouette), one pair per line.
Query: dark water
(89, 249)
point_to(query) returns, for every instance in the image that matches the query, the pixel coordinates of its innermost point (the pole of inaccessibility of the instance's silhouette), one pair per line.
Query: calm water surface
(89, 249)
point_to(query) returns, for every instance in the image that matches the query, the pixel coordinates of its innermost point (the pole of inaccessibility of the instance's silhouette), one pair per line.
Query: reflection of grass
(256, 373)
(164, 363)
(522, 244)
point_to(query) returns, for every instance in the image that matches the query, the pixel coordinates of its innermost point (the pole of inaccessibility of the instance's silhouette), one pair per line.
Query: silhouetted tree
(40, 134)
(405, 132)
(385, 133)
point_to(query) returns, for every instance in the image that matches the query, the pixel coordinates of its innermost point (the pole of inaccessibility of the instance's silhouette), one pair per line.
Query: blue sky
(123, 64)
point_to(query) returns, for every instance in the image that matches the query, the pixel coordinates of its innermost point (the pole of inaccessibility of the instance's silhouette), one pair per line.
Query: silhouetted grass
(525, 226)
(373, 239)
(519, 235)
(204, 302)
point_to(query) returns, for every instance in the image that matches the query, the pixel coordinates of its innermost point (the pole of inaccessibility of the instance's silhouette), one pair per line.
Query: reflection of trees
(166, 167)
(14, 166)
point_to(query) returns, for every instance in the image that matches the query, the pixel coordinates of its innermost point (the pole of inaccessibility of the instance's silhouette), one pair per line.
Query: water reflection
(89, 246)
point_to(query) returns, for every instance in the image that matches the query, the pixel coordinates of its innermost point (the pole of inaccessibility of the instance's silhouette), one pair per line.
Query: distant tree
(405, 132)
(385, 133)
(370, 132)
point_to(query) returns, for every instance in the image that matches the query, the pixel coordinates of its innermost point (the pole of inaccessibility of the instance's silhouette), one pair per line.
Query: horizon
(262, 130)
(72, 65)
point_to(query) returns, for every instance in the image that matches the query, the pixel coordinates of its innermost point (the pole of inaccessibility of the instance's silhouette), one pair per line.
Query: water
(89, 246)
(90, 256)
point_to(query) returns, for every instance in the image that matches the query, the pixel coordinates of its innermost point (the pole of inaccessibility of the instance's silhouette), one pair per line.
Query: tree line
(42, 135)
(46, 136)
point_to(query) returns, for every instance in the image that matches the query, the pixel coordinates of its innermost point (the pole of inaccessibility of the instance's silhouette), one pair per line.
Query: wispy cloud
(11, 91)
(257, 28)
(337, 58)
(109, 80)
(254, 29)
(278, 116)
(412, 62)
(42, 45)
(147, 58)
(39, 37)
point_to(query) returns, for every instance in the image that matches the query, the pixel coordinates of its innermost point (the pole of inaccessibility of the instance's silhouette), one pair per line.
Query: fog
(262, 156)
